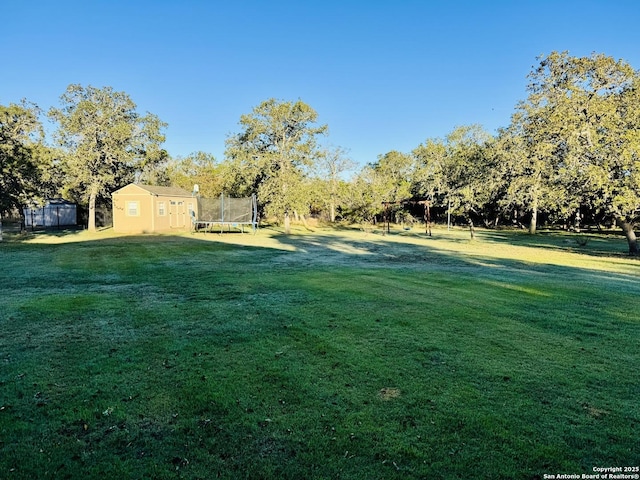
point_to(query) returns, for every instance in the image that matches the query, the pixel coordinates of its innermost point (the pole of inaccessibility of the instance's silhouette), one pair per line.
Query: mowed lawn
(323, 354)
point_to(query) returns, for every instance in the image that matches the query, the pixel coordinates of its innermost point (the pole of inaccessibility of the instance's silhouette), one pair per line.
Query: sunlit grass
(317, 355)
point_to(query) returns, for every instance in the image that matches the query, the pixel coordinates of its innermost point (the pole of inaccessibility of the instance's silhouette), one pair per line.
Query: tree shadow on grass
(611, 243)
(592, 244)
(414, 251)
(404, 250)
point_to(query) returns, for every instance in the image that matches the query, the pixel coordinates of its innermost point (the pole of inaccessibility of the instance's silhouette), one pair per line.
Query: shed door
(177, 214)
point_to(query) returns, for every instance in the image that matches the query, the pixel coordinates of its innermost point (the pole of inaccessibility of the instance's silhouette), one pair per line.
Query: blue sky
(383, 75)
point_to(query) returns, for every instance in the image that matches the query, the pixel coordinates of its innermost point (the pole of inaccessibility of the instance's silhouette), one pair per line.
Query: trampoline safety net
(228, 211)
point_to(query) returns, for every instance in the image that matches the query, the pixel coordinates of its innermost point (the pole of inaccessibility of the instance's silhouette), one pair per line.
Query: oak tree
(272, 155)
(197, 168)
(585, 111)
(20, 138)
(106, 141)
(456, 172)
(330, 165)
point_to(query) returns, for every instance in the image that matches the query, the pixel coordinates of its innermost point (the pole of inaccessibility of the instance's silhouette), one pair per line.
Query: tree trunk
(427, 218)
(332, 198)
(533, 223)
(472, 229)
(92, 210)
(627, 228)
(23, 221)
(304, 222)
(287, 223)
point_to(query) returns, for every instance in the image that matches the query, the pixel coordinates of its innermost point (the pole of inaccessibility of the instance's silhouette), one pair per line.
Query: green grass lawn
(325, 354)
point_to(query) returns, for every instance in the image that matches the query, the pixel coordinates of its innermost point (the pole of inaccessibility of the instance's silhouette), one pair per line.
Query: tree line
(571, 154)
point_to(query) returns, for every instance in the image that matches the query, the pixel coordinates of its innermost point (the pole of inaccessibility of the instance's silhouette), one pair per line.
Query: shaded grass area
(325, 355)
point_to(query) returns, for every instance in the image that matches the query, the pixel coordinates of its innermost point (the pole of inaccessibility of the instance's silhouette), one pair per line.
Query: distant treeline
(570, 156)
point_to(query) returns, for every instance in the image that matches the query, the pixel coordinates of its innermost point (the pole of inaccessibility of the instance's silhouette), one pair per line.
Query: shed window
(133, 209)
(162, 209)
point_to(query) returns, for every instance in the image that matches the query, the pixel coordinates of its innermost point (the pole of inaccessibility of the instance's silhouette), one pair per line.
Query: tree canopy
(198, 168)
(20, 131)
(570, 152)
(329, 186)
(580, 127)
(272, 155)
(105, 140)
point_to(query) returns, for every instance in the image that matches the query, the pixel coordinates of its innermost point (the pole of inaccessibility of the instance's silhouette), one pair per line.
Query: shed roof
(158, 190)
(59, 201)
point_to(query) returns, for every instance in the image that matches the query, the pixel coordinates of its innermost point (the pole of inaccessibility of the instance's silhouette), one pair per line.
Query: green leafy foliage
(579, 127)
(106, 141)
(20, 171)
(456, 172)
(571, 152)
(199, 168)
(328, 186)
(272, 155)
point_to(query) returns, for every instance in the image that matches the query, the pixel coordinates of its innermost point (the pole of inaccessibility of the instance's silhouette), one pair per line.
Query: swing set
(426, 204)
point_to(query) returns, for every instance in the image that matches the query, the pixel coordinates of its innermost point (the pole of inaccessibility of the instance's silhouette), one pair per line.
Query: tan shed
(150, 209)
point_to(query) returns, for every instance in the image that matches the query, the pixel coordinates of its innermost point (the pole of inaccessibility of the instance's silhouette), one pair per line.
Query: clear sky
(383, 75)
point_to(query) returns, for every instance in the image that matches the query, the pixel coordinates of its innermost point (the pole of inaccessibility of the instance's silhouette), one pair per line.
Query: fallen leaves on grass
(388, 393)
(594, 412)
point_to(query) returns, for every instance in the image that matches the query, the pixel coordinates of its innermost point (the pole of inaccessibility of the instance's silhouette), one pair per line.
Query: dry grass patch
(388, 393)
